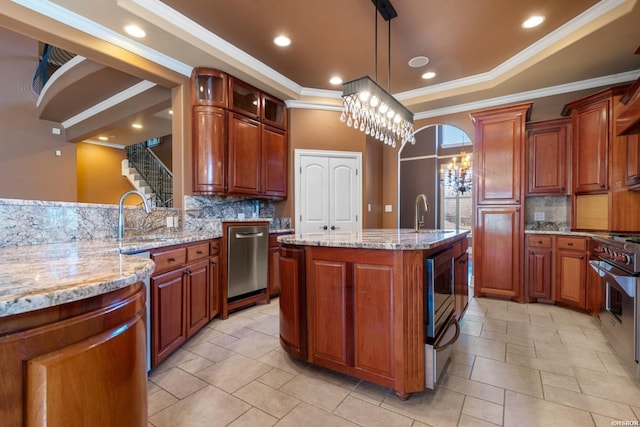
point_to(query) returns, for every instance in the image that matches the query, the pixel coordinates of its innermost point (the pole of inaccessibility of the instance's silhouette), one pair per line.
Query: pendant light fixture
(370, 108)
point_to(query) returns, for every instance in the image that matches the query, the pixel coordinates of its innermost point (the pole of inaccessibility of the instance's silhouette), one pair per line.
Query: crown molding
(105, 144)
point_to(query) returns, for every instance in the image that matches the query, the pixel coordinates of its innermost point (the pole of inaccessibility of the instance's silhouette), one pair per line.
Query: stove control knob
(624, 258)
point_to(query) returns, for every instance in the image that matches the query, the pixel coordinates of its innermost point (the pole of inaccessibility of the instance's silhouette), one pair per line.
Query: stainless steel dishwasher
(247, 259)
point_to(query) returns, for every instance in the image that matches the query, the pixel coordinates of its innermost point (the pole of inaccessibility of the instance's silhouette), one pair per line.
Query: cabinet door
(244, 98)
(209, 150)
(274, 111)
(539, 273)
(461, 284)
(499, 155)
(208, 87)
(590, 146)
(214, 286)
(244, 156)
(571, 277)
(197, 284)
(329, 325)
(633, 161)
(168, 311)
(547, 157)
(498, 244)
(293, 310)
(274, 162)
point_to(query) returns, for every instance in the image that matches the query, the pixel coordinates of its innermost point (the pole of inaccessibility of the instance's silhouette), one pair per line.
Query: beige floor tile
(483, 410)
(439, 407)
(195, 365)
(555, 366)
(530, 331)
(335, 378)
(458, 369)
(159, 400)
(600, 384)
(270, 325)
(636, 410)
(469, 421)
(511, 339)
(523, 411)
(254, 345)
(469, 327)
(224, 340)
(203, 335)
(311, 416)
(576, 357)
(463, 358)
(561, 381)
(369, 392)
(315, 391)
(176, 358)
(473, 388)
(280, 359)
(366, 414)
(207, 407)
(254, 418)
(267, 399)
(178, 382)
(508, 316)
(212, 352)
(233, 373)
(276, 378)
(521, 350)
(481, 347)
(507, 376)
(602, 421)
(588, 403)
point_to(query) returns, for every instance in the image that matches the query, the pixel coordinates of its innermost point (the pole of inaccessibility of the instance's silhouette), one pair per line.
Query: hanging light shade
(370, 108)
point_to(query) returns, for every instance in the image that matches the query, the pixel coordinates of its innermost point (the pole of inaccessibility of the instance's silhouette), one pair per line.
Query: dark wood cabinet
(499, 187)
(461, 283)
(244, 155)
(633, 161)
(184, 295)
(293, 309)
(239, 144)
(548, 144)
(571, 271)
(539, 264)
(274, 266)
(209, 150)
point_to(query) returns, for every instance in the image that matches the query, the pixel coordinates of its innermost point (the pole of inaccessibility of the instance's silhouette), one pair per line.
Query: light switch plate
(388, 208)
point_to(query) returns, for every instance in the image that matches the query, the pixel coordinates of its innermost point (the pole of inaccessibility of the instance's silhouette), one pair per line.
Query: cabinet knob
(570, 244)
(199, 252)
(581, 257)
(172, 260)
(539, 242)
(602, 185)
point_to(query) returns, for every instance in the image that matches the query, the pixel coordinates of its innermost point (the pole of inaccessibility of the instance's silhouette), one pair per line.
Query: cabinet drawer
(198, 251)
(169, 259)
(214, 247)
(572, 243)
(539, 241)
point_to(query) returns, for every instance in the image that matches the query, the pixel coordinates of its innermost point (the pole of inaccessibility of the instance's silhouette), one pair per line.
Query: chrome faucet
(418, 224)
(145, 204)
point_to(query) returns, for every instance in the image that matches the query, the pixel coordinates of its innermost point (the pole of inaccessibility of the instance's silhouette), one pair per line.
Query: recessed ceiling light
(171, 112)
(103, 138)
(534, 21)
(282, 41)
(135, 31)
(335, 80)
(428, 75)
(136, 126)
(418, 61)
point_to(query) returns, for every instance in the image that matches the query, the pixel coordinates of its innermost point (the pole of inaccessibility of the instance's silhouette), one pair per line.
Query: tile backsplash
(556, 211)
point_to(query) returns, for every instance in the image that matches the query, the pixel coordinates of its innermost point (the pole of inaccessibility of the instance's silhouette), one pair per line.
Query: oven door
(439, 297)
(619, 313)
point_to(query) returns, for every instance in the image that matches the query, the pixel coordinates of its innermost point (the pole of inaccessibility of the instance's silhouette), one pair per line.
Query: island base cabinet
(364, 311)
(77, 364)
(293, 317)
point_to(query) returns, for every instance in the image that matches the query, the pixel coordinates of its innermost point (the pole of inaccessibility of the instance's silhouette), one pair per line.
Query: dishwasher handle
(240, 235)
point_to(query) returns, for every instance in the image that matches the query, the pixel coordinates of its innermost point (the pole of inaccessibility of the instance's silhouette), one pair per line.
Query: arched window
(455, 156)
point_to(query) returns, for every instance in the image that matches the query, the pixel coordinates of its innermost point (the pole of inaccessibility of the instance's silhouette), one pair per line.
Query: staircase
(148, 175)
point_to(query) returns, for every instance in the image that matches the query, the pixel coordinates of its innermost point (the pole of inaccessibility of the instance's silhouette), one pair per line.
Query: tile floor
(514, 365)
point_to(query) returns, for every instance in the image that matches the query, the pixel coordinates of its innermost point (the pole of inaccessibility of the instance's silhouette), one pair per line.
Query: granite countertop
(561, 233)
(390, 239)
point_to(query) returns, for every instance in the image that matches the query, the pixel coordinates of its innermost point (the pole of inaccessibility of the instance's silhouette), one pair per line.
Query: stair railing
(153, 171)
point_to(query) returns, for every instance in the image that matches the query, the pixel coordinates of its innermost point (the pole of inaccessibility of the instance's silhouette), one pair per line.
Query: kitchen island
(354, 302)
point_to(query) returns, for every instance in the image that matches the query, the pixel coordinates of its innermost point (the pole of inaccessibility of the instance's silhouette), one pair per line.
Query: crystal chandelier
(370, 108)
(458, 176)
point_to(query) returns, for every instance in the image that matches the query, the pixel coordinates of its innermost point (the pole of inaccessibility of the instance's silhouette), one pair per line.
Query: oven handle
(452, 340)
(624, 281)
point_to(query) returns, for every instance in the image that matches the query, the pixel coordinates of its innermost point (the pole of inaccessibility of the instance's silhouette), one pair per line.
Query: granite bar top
(390, 239)
(561, 233)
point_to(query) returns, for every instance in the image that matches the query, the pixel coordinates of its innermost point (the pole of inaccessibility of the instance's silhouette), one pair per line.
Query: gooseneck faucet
(145, 206)
(425, 202)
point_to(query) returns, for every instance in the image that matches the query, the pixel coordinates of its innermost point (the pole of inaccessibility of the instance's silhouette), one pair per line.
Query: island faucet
(145, 206)
(417, 224)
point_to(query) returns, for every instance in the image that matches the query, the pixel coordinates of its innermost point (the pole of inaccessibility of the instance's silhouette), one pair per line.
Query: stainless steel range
(618, 263)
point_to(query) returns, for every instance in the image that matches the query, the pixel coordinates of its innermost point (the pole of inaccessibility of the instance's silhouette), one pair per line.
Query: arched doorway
(423, 168)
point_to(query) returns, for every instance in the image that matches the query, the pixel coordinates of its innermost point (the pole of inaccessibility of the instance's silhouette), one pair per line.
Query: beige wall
(100, 177)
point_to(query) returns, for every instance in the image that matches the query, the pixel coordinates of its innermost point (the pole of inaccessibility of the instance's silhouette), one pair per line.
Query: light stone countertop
(384, 238)
(561, 233)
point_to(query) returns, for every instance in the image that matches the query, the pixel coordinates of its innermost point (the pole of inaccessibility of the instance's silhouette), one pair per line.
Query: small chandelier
(370, 108)
(458, 177)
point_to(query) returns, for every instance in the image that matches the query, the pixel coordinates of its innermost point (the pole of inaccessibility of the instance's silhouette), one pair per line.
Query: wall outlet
(169, 222)
(240, 216)
(538, 216)
(388, 208)
(368, 207)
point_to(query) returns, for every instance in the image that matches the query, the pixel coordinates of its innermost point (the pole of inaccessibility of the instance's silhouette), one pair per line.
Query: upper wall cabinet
(547, 154)
(239, 138)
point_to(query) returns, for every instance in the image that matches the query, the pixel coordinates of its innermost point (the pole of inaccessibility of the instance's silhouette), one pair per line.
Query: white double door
(328, 191)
